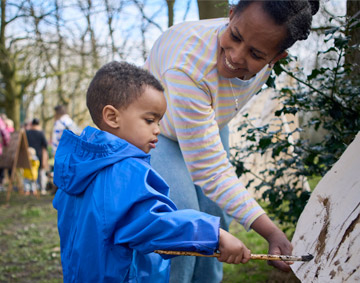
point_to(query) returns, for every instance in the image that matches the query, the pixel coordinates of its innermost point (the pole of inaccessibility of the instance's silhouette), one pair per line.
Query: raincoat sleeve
(151, 221)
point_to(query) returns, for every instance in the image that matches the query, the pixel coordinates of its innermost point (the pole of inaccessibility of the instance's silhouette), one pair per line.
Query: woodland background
(49, 50)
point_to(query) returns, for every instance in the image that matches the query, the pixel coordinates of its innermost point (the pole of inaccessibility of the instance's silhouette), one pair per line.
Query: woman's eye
(149, 121)
(255, 56)
(234, 37)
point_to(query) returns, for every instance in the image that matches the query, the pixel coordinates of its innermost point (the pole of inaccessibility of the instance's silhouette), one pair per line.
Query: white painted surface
(329, 226)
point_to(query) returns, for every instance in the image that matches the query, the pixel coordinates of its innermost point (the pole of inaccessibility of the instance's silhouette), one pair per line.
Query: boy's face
(139, 123)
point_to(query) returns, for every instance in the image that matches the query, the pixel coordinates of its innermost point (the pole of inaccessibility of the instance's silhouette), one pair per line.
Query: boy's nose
(157, 130)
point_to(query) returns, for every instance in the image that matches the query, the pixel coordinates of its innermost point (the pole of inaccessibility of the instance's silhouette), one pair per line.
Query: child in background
(113, 208)
(31, 174)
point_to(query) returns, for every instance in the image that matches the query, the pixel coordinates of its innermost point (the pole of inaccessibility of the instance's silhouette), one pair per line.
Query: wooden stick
(253, 256)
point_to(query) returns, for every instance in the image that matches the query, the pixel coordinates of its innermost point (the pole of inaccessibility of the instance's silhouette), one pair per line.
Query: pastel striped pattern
(199, 104)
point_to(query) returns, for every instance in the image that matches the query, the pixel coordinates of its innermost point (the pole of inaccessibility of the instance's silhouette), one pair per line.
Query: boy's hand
(232, 250)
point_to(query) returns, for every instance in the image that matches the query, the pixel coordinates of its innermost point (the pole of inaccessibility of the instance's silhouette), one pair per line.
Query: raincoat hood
(74, 170)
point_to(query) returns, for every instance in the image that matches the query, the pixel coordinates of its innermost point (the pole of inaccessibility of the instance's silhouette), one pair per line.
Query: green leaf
(271, 81)
(341, 41)
(264, 142)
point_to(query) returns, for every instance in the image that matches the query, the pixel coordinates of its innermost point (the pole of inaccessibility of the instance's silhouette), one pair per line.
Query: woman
(209, 70)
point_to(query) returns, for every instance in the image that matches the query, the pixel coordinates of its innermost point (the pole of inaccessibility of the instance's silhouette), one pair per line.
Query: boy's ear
(111, 116)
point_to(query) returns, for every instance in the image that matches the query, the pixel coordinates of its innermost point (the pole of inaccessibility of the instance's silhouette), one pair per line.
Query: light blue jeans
(168, 161)
(29, 185)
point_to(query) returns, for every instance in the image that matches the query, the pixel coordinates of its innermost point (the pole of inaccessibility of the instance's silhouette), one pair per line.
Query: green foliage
(331, 94)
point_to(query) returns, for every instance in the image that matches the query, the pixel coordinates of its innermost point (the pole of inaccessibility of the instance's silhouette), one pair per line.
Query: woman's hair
(118, 84)
(295, 15)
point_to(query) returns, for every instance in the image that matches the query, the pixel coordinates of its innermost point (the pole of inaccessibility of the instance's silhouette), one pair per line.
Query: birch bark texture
(329, 226)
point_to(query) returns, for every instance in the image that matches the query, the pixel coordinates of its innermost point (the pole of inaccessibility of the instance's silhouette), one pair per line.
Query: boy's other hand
(232, 250)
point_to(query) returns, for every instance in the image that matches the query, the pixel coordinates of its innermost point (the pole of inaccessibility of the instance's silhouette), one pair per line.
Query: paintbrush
(307, 257)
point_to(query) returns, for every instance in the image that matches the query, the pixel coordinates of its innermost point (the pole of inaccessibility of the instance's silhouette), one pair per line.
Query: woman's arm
(190, 109)
(191, 119)
(278, 242)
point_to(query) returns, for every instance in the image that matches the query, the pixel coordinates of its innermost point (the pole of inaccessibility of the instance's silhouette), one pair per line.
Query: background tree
(53, 57)
(170, 5)
(16, 56)
(209, 9)
(61, 44)
(353, 57)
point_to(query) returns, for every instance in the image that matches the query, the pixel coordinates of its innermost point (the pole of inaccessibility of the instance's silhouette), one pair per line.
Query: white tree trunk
(329, 227)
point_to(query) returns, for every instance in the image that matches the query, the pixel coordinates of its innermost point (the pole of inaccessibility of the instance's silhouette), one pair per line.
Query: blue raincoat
(114, 211)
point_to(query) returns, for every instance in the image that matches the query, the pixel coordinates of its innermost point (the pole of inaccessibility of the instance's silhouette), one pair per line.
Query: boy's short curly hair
(118, 84)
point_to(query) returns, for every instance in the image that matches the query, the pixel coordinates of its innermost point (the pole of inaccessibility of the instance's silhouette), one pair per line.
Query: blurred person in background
(36, 139)
(4, 141)
(9, 124)
(4, 134)
(62, 122)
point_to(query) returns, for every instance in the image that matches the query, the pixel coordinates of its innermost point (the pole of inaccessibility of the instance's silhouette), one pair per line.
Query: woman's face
(249, 42)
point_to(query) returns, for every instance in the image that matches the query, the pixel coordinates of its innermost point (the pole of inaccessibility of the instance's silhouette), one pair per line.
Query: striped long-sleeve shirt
(200, 102)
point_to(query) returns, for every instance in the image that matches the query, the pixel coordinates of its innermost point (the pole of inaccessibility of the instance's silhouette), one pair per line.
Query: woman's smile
(232, 70)
(228, 64)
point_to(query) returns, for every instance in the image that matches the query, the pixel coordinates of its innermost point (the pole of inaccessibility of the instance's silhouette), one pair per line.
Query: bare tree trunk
(353, 58)
(170, 5)
(60, 56)
(8, 69)
(209, 9)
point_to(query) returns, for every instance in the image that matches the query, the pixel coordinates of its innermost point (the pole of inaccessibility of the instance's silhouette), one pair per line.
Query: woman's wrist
(265, 227)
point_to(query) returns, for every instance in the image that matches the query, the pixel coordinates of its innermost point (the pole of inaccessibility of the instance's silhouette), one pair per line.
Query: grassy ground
(29, 242)
(29, 246)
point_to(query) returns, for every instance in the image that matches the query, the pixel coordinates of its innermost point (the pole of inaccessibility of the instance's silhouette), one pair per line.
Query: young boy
(113, 208)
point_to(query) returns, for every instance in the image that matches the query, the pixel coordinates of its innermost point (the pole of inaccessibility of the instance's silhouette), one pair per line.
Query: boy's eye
(149, 121)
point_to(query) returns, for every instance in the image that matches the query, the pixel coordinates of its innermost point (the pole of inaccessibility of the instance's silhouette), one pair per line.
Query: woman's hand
(278, 242)
(232, 250)
(279, 245)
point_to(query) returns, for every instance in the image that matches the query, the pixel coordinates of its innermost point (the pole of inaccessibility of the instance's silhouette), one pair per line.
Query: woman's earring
(271, 65)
